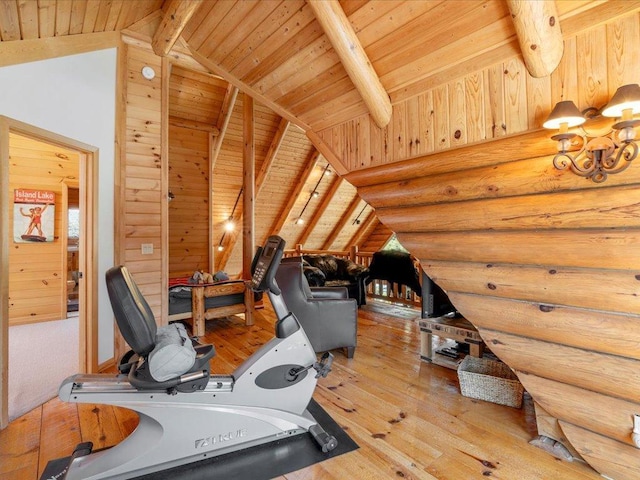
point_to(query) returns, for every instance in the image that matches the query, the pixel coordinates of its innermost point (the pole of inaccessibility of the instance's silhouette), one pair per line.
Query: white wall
(75, 96)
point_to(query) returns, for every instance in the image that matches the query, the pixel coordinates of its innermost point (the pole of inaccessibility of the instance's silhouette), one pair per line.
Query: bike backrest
(133, 314)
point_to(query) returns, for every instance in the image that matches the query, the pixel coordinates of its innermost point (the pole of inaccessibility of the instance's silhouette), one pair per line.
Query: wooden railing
(378, 289)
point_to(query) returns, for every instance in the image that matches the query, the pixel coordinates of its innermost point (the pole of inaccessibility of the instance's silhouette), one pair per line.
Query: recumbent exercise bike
(196, 415)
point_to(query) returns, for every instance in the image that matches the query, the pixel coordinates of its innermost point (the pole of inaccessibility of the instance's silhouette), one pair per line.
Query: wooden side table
(453, 328)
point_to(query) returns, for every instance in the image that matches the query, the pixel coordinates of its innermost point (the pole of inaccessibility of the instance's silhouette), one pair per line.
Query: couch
(330, 271)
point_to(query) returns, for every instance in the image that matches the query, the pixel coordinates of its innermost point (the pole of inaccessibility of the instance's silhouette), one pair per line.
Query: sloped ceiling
(277, 52)
(286, 194)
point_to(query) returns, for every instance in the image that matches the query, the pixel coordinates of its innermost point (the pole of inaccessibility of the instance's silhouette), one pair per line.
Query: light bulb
(564, 145)
(626, 134)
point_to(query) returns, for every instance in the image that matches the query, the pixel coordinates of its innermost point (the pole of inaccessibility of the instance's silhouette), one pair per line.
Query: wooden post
(248, 199)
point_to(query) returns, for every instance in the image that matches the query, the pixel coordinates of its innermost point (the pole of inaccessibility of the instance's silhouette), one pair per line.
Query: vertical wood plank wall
(37, 290)
(501, 100)
(545, 263)
(188, 211)
(141, 165)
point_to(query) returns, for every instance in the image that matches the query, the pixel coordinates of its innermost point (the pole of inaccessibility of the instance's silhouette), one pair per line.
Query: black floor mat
(261, 462)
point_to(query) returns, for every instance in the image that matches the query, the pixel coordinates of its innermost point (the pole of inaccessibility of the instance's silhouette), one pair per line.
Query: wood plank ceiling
(331, 219)
(278, 52)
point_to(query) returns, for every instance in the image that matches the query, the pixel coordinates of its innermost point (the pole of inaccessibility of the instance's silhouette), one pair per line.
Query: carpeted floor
(41, 356)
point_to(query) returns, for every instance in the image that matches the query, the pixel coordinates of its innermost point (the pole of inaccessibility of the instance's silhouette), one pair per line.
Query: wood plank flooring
(407, 416)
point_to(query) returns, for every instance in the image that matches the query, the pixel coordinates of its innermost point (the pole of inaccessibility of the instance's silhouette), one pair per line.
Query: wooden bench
(199, 314)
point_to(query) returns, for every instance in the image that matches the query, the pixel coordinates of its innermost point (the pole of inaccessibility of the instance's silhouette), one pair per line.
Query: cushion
(173, 353)
(315, 276)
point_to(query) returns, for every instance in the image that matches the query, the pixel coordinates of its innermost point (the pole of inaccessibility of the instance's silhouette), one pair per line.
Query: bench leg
(197, 311)
(249, 306)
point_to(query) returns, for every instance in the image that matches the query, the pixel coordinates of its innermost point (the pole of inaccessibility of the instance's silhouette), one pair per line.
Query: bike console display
(267, 264)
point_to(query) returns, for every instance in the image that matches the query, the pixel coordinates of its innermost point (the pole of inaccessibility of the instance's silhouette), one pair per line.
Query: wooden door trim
(88, 263)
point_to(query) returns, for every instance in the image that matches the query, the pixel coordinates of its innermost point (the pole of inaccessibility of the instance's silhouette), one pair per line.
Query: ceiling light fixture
(357, 220)
(229, 225)
(148, 72)
(599, 155)
(314, 194)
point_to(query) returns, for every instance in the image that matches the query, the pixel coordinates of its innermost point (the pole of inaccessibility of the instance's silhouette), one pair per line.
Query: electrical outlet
(147, 248)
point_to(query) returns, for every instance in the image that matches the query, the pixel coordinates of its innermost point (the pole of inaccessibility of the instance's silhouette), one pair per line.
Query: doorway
(86, 183)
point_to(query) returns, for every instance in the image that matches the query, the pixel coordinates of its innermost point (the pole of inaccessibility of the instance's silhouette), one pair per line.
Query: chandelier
(598, 156)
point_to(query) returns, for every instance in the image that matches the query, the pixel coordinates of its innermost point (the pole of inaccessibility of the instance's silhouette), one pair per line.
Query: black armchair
(328, 316)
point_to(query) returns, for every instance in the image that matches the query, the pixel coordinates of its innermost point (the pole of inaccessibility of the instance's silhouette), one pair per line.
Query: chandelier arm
(561, 163)
(629, 155)
(627, 151)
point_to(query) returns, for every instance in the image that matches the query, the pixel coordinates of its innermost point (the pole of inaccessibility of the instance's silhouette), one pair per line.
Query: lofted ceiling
(282, 54)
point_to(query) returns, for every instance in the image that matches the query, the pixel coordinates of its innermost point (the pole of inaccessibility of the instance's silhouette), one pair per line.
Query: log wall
(545, 263)
(37, 290)
(549, 275)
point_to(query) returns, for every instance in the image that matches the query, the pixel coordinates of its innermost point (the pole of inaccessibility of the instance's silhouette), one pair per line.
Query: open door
(87, 263)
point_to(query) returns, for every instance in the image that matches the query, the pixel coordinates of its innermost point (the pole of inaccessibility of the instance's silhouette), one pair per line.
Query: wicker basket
(489, 380)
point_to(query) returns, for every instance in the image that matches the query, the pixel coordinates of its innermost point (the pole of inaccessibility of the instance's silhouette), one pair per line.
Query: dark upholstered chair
(328, 316)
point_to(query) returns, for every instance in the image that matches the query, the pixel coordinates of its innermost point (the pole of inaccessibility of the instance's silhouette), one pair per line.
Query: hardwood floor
(407, 416)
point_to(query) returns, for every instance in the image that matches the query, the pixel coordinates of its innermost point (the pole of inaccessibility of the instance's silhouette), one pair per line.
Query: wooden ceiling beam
(281, 218)
(25, 51)
(327, 199)
(215, 145)
(274, 147)
(224, 117)
(248, 89)
(342, 222)
(346, 44)
(327, 152)
(538, 29)
(176, 16)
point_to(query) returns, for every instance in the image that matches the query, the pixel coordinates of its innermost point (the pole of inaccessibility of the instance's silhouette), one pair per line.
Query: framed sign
(33, 215)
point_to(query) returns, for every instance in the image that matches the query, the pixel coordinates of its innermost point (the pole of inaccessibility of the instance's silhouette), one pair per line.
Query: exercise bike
(197, 415)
